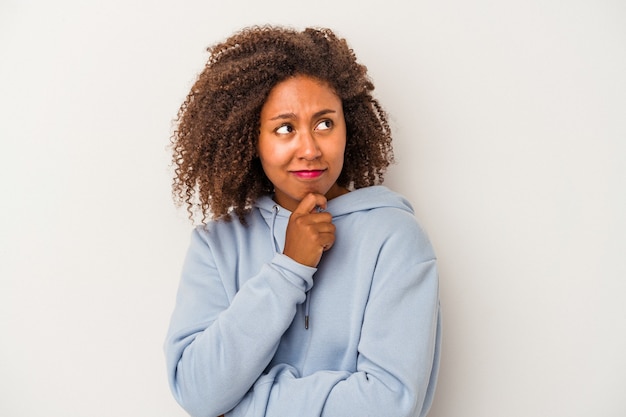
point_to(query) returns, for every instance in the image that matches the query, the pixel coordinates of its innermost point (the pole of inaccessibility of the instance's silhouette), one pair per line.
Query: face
(302, 140)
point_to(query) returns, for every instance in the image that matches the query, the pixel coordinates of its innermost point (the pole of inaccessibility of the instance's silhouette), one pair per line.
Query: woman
(312, 291)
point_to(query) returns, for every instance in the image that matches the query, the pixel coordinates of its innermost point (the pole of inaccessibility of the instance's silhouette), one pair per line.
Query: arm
(397, 353)
(217, 347)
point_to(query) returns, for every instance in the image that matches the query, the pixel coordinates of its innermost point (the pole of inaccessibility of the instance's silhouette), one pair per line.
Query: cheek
(264, 150)
(272, 155)
(339, 154)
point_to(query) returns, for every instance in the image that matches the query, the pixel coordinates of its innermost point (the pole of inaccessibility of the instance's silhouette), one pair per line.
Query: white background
(510, 128)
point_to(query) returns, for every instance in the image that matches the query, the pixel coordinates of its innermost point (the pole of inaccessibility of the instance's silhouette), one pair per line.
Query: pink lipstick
(308, 174)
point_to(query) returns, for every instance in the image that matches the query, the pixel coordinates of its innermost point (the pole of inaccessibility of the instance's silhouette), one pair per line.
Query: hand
(309, 233)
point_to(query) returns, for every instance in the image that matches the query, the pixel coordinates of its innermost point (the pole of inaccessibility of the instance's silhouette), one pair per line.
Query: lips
(308, 174)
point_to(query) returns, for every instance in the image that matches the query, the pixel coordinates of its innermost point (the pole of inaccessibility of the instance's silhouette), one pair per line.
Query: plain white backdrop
(509, 121)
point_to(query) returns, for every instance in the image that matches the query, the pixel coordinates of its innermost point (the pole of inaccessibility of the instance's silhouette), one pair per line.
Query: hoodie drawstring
(307, 302)
(307, 306)
(275, 211)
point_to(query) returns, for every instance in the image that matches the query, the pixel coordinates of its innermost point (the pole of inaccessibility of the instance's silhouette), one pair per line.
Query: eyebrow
(290, 116)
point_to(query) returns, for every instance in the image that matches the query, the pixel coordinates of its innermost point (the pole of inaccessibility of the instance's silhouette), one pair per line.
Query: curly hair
(217, 168)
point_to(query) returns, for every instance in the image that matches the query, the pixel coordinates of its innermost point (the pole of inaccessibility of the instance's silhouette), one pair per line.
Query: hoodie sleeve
(217, 347)
(397, 354)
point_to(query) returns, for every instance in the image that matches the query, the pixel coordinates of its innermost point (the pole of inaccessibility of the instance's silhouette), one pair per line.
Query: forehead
(301, 93)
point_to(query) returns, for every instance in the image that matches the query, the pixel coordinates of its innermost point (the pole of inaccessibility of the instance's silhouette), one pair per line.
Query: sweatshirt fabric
(237, 342)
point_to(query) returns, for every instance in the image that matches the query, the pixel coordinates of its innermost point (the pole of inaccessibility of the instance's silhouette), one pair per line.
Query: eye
(284, 129)
(324, 125)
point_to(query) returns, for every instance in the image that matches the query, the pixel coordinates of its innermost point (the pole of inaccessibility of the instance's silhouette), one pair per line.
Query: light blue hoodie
(237, 343)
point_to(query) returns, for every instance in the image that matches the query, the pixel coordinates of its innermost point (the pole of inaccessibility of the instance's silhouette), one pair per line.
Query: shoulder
(400, 229)
(219, 232)
(390, 220)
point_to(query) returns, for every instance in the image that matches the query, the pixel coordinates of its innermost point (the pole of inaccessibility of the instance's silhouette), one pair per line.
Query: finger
(325, 232)
(310, 202)
(327, 241)
(319, 218)
(317, 222)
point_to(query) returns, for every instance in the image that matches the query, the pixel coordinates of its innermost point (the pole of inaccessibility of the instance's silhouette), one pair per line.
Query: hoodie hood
(362, 199)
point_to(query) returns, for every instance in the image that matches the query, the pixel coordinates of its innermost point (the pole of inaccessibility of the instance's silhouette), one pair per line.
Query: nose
(308, 148)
